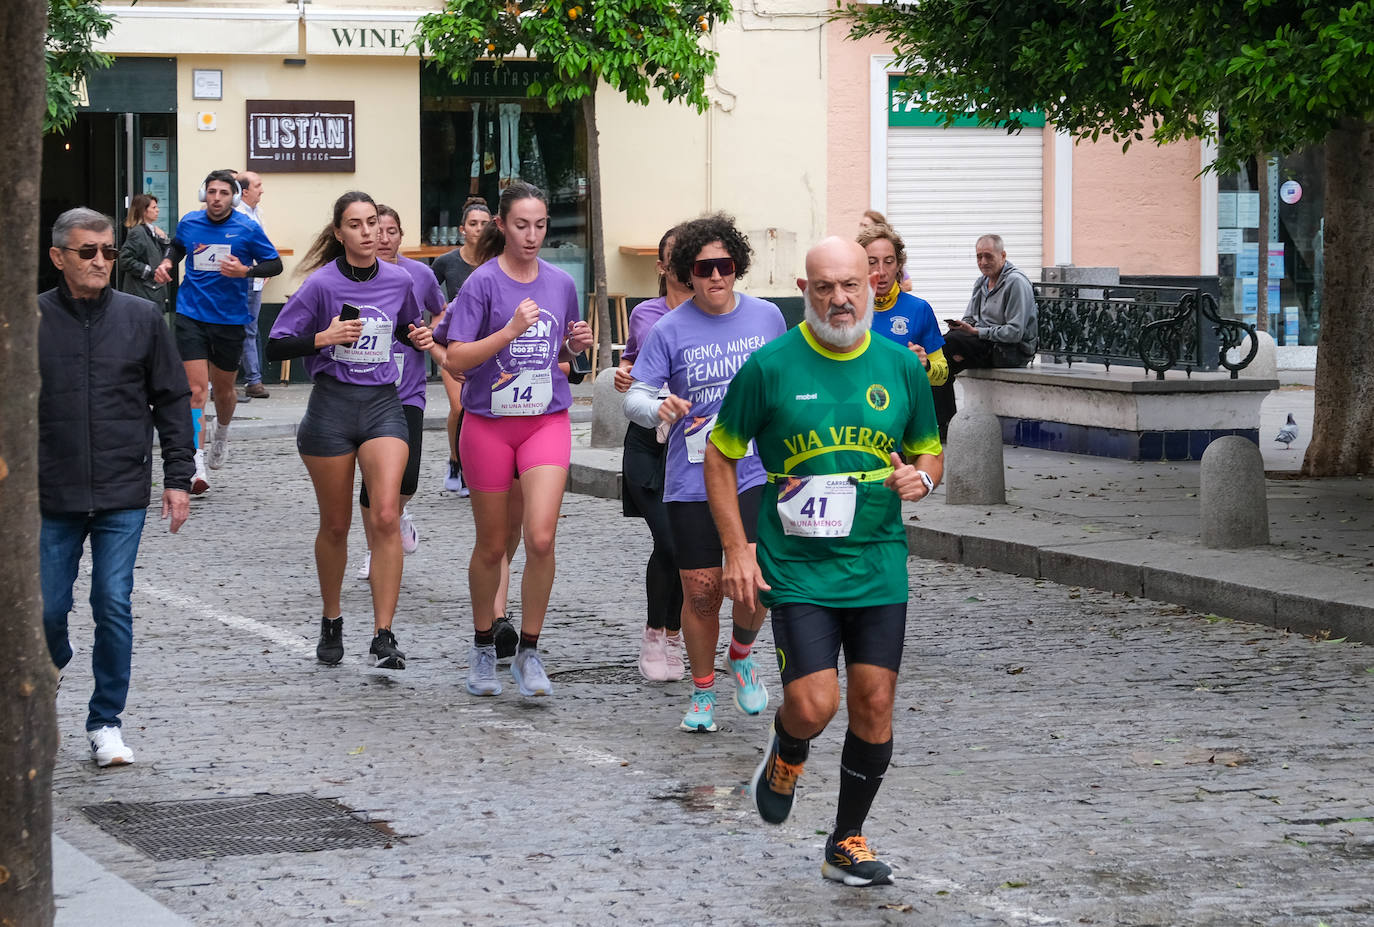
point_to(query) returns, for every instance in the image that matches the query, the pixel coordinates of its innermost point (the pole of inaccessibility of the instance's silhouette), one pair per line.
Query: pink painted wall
(847, 155)
(1140, 211)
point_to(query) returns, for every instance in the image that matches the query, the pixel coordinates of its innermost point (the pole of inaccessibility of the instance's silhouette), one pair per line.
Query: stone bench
(1127, 414)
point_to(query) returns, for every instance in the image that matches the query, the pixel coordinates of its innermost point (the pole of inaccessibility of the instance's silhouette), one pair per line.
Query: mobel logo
(370, 38)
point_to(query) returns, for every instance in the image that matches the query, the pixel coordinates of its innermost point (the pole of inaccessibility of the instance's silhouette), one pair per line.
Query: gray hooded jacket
(1006, 313)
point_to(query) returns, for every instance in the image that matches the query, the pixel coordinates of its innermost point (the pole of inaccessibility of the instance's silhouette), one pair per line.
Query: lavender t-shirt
(522, 378)
(641, 320)
(386, 306)
(411, 385)
(697, 354)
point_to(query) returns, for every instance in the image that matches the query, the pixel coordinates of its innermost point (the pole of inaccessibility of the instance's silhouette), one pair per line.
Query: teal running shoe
(750, 695)
(701, 717)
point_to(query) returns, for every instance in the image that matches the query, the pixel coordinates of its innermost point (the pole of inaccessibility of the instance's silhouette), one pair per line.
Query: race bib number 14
(529, 393)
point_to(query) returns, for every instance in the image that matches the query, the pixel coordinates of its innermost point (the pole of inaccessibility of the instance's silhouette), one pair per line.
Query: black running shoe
(385, 654)
(851, 861)
(507, 638)
(330, 648)
(775, 783)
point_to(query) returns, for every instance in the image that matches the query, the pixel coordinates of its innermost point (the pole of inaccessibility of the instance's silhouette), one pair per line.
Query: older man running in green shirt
(833, 412)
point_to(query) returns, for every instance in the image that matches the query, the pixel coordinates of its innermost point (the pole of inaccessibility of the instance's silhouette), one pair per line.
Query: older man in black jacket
(110, 373)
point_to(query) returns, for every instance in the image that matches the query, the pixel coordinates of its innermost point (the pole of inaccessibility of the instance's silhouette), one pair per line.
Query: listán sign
(286, 136)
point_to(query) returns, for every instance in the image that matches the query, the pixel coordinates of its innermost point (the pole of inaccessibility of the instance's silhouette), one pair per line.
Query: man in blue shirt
(225, 249)
(897, 315)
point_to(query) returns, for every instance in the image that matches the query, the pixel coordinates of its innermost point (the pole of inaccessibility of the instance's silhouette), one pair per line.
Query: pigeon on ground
(1288, 433)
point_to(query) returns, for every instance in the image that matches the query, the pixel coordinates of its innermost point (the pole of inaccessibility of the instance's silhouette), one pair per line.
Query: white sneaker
(672, 657)
(219, 447)
(365, 571)
(200, 482)
(410, 538)
(107, 746)
(653, 664)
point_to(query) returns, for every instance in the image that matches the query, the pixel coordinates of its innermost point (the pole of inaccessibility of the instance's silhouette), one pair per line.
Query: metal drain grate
(206, 828)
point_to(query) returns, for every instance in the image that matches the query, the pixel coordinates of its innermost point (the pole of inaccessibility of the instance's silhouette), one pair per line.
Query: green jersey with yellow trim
(825, 425)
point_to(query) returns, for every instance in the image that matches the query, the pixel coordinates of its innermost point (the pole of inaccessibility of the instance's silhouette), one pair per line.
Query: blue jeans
(114, 548)
(252, 360)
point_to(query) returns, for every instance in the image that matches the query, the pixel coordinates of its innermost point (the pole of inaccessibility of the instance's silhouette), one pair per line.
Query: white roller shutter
(945, 187)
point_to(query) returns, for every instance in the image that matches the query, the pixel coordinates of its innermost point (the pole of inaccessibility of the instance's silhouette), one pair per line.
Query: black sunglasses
(703, 268)
(87, 252)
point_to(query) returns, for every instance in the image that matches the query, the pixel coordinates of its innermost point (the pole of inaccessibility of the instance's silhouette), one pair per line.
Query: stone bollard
(1235, 511)
(1265, 365)
(608, 415)
(974, 473)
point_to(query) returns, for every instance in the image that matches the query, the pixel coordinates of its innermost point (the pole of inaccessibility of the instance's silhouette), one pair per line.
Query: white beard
(840, 336)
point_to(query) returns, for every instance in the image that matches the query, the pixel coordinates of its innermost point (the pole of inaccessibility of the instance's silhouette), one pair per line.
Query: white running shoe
(365, 571)
(672, 656)
(410, 538)
(200, 482)
(653, 663)
(219, 447)
(107, 746)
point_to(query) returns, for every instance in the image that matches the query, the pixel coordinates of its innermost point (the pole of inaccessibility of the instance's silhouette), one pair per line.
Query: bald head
(250, 183)
(838, 292)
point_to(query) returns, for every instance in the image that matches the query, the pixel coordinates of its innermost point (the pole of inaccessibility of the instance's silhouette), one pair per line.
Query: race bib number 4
(526, 393)
(817, 506)
(372, 347)
(207, 257)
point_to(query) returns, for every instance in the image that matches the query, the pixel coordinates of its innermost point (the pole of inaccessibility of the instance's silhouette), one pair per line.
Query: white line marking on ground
(292, 642)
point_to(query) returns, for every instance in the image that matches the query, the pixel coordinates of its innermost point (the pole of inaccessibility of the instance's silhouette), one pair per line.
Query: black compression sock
(485, 638)
(862, 766)
(790, 749)
(529, 641)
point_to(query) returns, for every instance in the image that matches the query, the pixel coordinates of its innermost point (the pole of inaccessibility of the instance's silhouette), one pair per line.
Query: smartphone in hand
(348, 313)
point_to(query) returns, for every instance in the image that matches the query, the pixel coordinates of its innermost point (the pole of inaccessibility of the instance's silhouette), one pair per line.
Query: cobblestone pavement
(1063, 756)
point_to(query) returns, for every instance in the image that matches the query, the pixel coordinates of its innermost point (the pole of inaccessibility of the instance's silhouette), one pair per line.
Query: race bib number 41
(817, 506)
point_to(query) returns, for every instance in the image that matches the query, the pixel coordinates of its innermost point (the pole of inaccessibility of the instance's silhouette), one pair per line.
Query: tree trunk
(28, 723)
(598, 235)
(1343, 421)
(1262, 284)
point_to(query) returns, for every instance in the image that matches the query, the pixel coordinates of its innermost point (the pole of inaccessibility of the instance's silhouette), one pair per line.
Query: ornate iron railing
(1155, 327)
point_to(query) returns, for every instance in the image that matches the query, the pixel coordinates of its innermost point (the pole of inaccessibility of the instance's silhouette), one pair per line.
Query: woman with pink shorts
(514, 319)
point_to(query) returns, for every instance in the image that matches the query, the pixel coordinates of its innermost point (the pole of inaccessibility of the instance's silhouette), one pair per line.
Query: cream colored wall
(1140, 211)
(294, 206)
(848, 110)
(758, 155)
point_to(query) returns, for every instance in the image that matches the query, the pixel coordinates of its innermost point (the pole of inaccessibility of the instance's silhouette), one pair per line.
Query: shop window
(1296, 232)
(478, 135)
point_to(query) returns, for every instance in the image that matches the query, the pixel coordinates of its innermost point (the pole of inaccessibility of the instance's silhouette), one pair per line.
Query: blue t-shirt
(206, 294)
(910, 320)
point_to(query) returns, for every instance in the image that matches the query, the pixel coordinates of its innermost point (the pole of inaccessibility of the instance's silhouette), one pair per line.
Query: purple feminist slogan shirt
(386, 304)
(522, 378)
(428, 295)
(697, 354)
(641, 320)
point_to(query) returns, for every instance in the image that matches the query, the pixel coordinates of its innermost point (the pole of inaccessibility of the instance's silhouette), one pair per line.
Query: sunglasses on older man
(703, 268)
(87, 252)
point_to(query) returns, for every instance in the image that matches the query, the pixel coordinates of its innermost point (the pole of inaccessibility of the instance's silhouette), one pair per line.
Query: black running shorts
(696, 543)
(341, 416)
(221, 345)
(809, 637)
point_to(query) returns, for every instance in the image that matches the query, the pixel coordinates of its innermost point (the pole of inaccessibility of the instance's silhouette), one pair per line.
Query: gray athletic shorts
(341, 416)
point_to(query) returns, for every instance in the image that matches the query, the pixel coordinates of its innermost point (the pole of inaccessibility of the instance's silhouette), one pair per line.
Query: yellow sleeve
(939, 368)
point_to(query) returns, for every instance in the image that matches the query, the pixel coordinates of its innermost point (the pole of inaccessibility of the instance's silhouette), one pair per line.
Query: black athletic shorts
(410, 479)
(809, 637)
(221, 345)
(696, 543)
(341, 416)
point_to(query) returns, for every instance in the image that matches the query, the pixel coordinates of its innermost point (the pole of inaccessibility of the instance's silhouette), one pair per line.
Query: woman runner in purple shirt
(505, 332)
(344, 320)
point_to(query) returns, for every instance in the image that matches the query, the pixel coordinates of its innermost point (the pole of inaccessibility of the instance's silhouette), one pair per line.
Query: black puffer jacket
(110, 372)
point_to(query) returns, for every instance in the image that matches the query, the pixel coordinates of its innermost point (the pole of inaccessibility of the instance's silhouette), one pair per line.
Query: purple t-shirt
(428, 295)
(697, 354)
(641, 320)
(522, 378)
(386, 305)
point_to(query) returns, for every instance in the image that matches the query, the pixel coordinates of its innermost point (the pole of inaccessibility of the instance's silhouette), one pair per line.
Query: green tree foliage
(74, 26)
(1282, 73)
(635, 46)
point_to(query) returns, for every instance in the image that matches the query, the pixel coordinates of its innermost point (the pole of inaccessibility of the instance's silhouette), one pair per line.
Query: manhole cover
(236, 826)
(604, 675)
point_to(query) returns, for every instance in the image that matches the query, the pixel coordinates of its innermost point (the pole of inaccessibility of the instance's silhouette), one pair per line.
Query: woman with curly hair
(695, 350)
